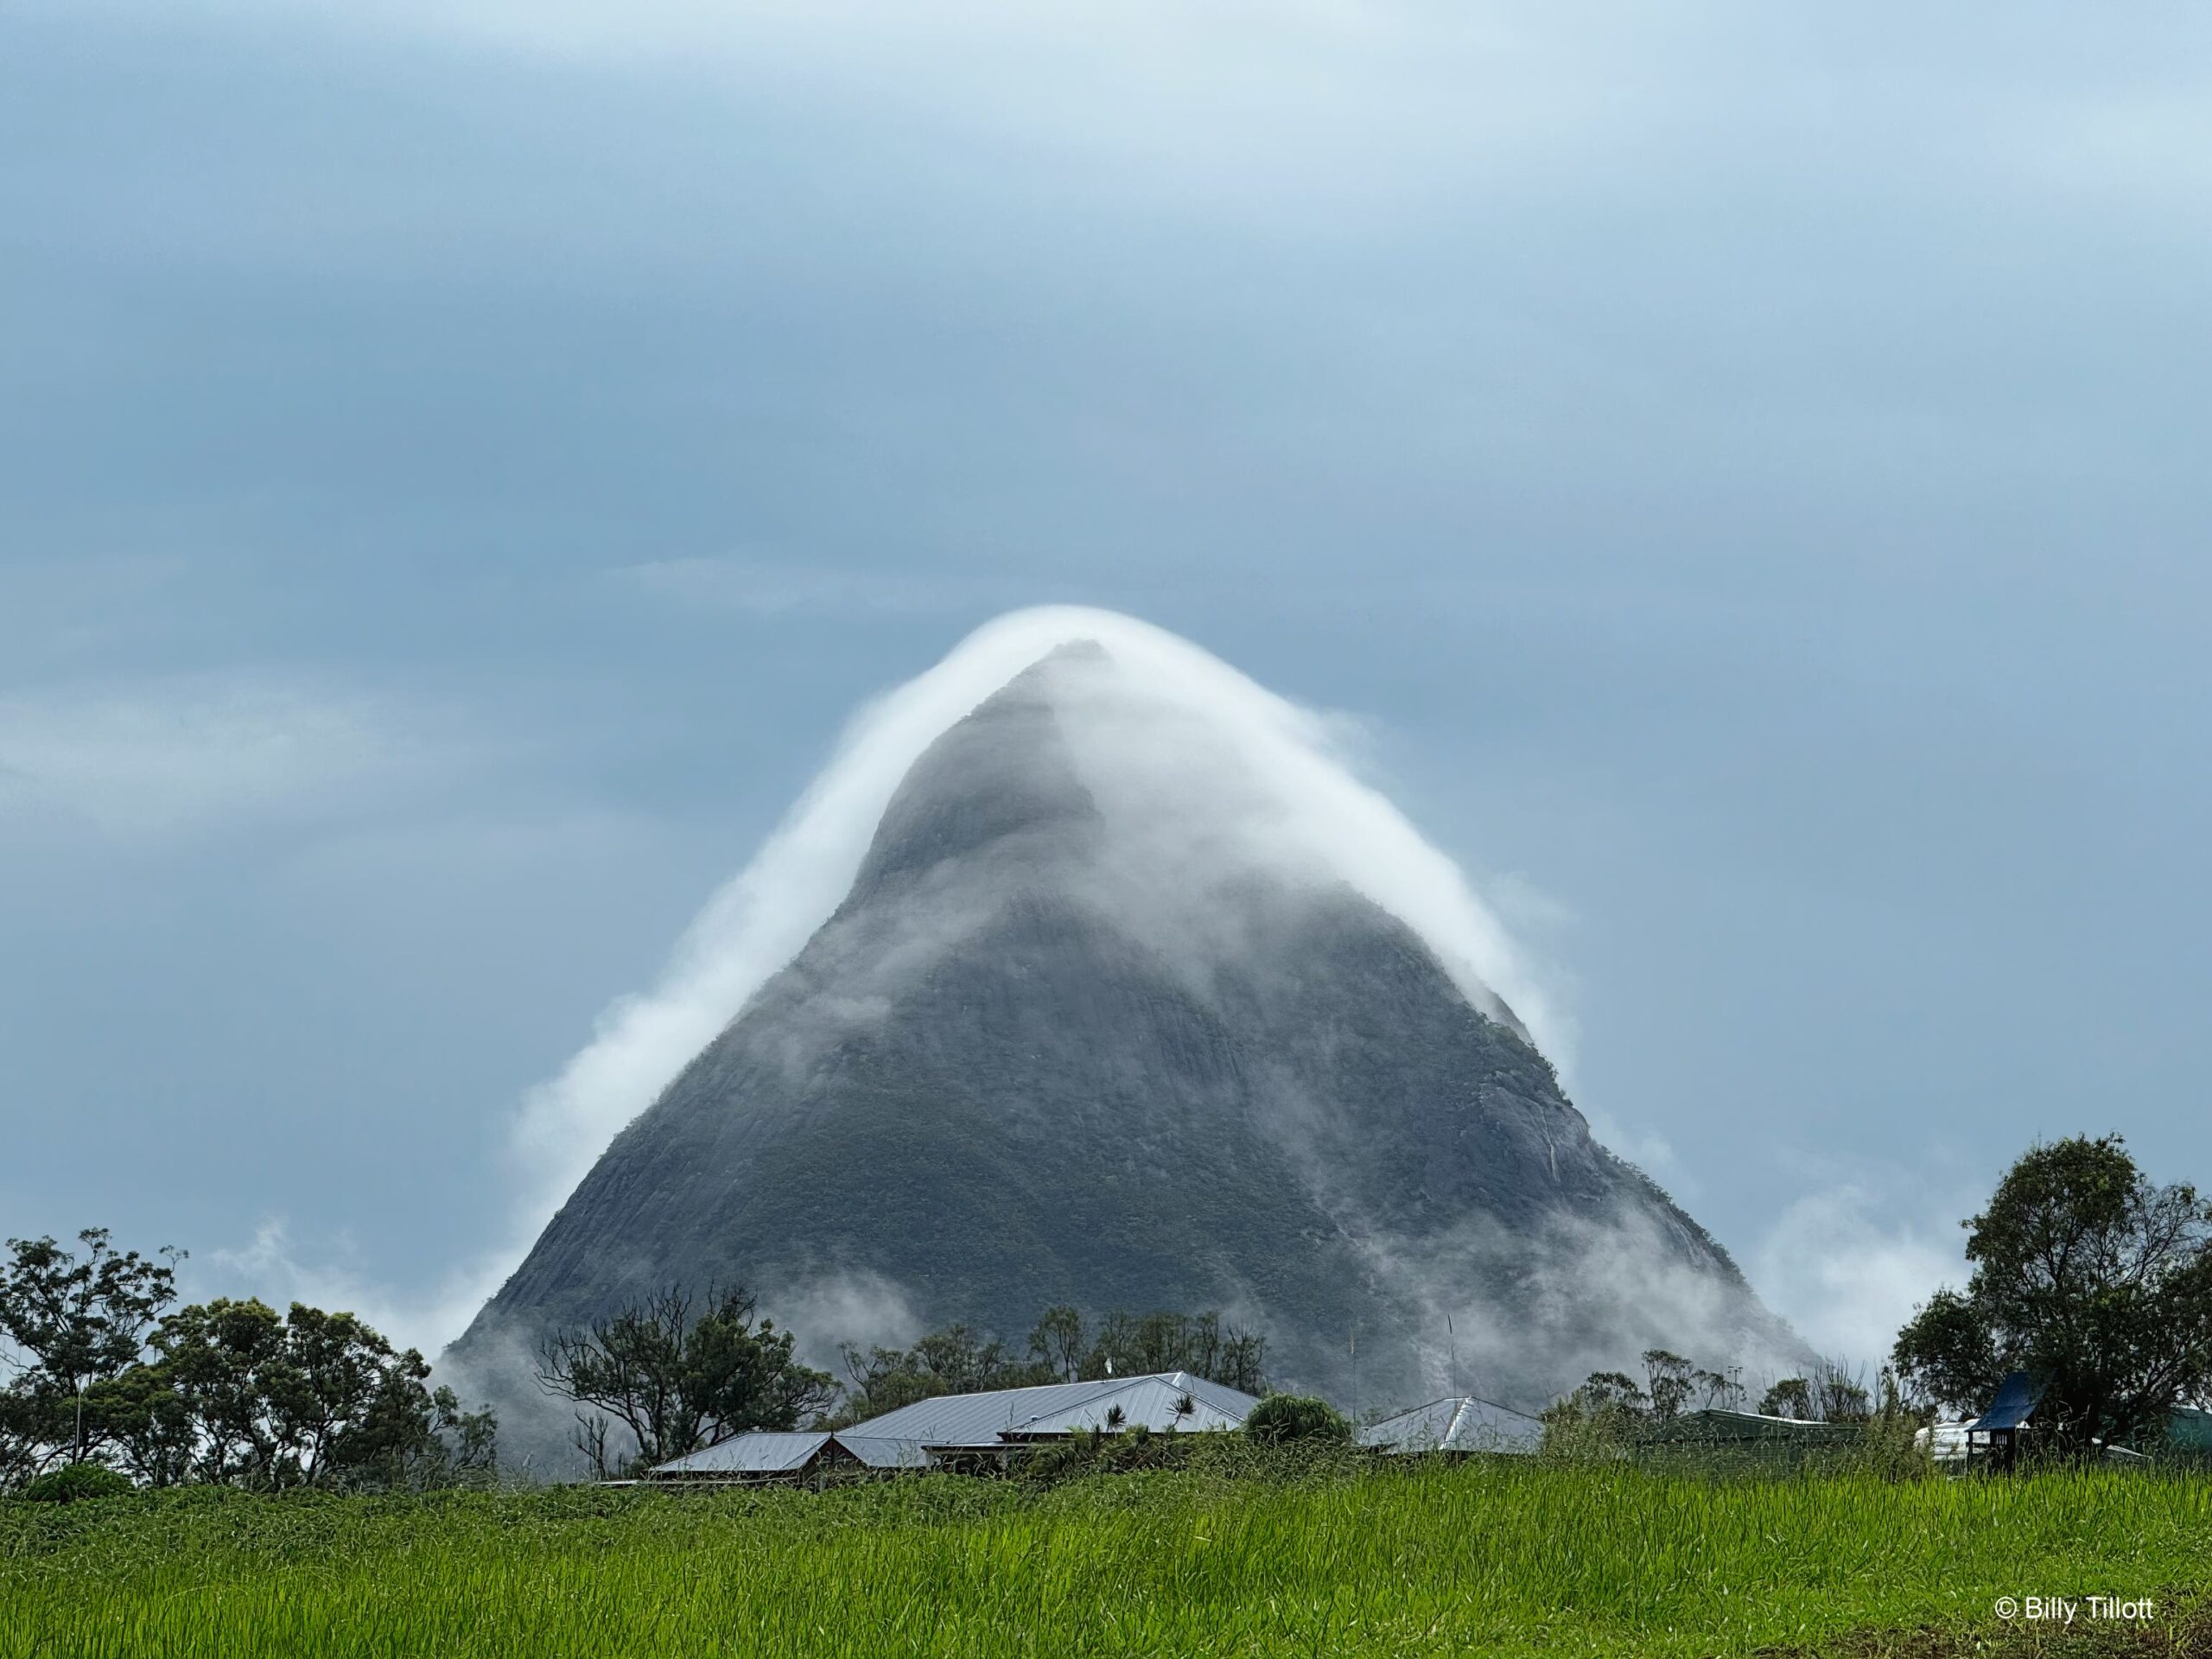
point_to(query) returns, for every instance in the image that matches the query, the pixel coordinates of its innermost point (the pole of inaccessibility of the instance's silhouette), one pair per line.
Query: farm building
(968, 1430)
(1465, 1424)
(764, 1456)
(1995, 1437)
(1717, 1426)
(1991, 1438)
(1997, 1432)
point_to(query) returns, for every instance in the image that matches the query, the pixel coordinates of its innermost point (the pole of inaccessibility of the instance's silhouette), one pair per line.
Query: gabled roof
(1464, 1424)
(1149, 1401)
(903, 1439)
(877, 1453)
(767, 1452)
(1055, 1408)
(762, 1451)
(2014, 1404)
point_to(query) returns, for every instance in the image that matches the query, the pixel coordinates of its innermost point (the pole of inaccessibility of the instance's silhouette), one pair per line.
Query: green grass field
(1505, 1557)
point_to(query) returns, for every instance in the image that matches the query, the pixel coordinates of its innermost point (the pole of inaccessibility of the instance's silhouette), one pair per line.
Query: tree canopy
(2090, 1278)
(224, 1391)
(75, 1320)
(956, 1360)
(678, 1372)
(243, 1397)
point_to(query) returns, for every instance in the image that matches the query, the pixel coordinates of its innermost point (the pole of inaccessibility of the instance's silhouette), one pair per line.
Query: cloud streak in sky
(156, 757)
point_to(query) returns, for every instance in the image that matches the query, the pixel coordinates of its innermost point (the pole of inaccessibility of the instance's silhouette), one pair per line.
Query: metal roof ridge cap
(1121, 1385)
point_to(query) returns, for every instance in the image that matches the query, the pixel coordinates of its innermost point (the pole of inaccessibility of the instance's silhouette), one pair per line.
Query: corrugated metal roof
(761, 1452)
(900, 1439)
(1715, 1423)
(1147, 1401)
(877, 1453)
(986, 1419)
(1465, 1424)
(2014, 1404)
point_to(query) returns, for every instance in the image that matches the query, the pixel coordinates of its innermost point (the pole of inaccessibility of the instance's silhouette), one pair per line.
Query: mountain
(1096, 1024)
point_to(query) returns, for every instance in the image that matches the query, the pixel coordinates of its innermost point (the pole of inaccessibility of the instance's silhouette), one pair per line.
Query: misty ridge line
(1297, 802)
(760, 921)
(1136, 997)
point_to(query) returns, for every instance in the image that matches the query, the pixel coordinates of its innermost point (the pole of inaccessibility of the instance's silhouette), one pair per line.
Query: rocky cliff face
(1091, 1027)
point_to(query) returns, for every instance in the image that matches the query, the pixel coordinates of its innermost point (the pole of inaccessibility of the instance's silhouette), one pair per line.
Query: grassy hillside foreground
(1494, 1558)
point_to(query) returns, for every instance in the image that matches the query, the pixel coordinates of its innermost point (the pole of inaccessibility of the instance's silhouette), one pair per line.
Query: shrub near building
(1282, 1418)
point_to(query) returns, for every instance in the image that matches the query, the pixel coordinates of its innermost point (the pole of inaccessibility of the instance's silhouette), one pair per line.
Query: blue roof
(2015, 1402)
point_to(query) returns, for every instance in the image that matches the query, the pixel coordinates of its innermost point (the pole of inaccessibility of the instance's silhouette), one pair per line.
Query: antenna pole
(1355, 1371)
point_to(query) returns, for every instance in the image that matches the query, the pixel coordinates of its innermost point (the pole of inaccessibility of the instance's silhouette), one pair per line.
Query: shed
(2000, 1426)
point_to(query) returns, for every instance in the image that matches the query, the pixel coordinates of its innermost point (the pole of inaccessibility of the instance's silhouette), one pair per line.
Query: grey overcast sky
(460, 467)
